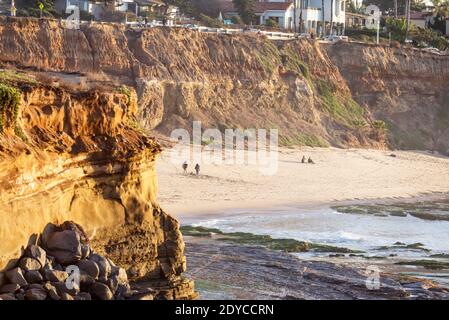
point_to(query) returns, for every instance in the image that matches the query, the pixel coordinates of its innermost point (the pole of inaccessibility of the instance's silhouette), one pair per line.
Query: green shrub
(126, 91)
(268, 56)
(271, 23)
(342, 108)
(293, 61)
(379, 125)
(237, 20)
(211, 22)
(9, 108)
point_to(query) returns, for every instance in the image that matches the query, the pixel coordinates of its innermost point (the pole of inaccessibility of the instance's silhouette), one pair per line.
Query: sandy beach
(337, 175)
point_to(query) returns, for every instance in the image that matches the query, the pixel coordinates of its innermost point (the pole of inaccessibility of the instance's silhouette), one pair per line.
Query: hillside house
(97, 9)
(306, 15)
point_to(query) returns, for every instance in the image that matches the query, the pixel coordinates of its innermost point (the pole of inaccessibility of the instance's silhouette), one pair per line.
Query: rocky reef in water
(274, 274)
(69, 155)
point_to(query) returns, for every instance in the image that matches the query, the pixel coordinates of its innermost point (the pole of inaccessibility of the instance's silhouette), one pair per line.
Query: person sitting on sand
(310, 161)
(184, 167)
(197, 169)
(303, 159)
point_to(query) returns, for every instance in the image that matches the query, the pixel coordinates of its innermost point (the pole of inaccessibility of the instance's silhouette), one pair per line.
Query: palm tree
(323, 23)
(440, 13)
(441, 8)
(395, 9)
(332, 17)
(407, 17)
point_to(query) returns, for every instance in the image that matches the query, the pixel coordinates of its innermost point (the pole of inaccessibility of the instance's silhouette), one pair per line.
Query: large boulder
(36, 252)
(7, 296)
(65, 246)
(51, 291)
(9, 288)
(34, 276)
(89, 267)
(36, 294)
(101, 291)
(55, 275)
(16, 276)
(103, 264)
(30, 264)
(2, 278)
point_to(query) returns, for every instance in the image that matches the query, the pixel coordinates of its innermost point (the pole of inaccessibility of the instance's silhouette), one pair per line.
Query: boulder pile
(63, 267)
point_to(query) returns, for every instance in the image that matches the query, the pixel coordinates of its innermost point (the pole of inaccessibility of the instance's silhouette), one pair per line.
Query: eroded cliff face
(225, 81)
(315, 94)
(408, 89)
(79, 157)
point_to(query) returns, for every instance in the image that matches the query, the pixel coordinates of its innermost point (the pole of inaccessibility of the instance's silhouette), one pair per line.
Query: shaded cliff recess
(78, 155)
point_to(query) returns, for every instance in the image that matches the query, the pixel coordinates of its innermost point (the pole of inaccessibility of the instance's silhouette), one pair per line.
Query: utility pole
(407, 18)
(395, 9)
(378, 31)
(323, 23)
(41, 8)
(13, 8)
(294, 16)
(332, 17)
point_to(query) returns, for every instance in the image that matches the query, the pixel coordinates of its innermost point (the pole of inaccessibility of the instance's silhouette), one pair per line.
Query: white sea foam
(363, 232)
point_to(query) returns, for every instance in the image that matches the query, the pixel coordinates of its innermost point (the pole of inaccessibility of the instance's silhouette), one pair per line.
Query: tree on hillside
(332, 17)
(210, 8)
(323, 27)
(441, 8)
(440, 13)
(407, 17)
(245, 9)
(354, 7)
(185, 6)
(29, 8)
(389, 6)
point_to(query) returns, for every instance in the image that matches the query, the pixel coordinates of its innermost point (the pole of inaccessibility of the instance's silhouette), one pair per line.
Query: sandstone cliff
(79, 156)
(342, 95)
(239, 81)
(408, 89)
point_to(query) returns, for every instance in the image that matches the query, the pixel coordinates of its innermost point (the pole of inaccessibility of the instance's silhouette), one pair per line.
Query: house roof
(149, 2)
(358, 15)
(416, 15)
(259, 7)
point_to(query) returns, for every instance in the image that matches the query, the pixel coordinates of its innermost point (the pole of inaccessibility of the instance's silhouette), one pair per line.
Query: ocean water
(327, 226)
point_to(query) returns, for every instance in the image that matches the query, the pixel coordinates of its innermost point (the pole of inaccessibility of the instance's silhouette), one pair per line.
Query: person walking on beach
(303, 159)
(197, 169)
(310, 160)
(184, 167)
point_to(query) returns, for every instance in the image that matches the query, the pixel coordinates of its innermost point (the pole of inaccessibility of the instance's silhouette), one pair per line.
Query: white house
(97, 7)
(308, 14)
(280, 11)
(311, 15)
